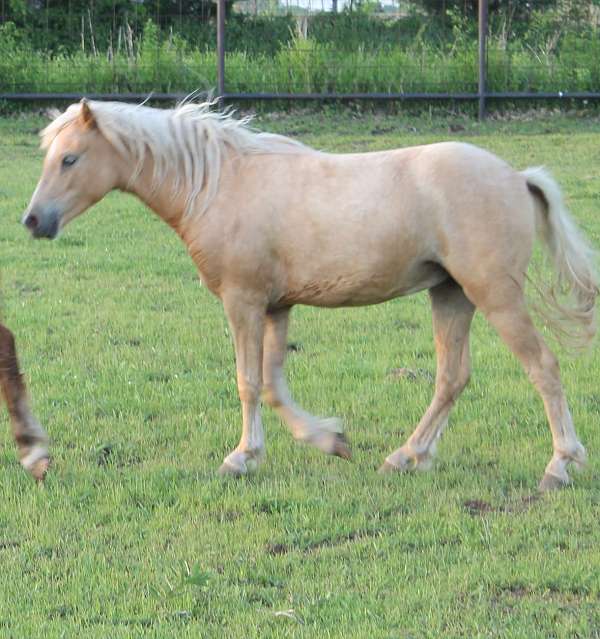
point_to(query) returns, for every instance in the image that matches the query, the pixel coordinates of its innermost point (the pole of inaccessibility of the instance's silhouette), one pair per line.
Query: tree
(521, 8)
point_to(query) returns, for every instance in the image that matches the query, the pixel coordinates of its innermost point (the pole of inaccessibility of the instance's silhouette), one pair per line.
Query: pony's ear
(87, 117)
(51, 114)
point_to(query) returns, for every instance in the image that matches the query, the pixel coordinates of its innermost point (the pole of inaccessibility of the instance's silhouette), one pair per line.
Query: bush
(347, 54)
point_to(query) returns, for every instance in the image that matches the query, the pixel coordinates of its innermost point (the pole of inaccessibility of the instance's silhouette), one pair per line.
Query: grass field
(130, 365)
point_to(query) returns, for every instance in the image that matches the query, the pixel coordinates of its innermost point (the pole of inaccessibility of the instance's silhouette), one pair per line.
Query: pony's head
(95, 147)
(80, 168)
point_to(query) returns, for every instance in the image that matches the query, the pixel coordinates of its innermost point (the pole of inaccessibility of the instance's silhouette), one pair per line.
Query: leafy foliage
(554, 47)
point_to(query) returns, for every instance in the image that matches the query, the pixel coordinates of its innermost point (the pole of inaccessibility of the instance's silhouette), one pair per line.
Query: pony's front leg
(326, 434)
(247, 318)
(30, 437)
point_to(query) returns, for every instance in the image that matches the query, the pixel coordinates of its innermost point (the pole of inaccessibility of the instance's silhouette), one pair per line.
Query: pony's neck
(160, 198)
(172, 209)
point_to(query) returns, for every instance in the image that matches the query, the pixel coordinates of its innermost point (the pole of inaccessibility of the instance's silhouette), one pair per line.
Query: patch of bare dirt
(479, 507)
(412, 374)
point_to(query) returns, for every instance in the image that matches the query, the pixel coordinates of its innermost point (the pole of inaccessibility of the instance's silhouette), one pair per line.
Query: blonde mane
(187, 143)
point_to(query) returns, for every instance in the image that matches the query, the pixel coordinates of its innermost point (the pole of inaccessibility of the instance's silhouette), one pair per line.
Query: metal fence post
(220, 52)
(483, 29)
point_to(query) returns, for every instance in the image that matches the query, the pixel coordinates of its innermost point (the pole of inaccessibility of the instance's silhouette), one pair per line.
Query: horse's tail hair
(568, 303)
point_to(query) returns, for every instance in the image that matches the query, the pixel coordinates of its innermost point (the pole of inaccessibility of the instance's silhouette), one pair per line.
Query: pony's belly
(362, 290)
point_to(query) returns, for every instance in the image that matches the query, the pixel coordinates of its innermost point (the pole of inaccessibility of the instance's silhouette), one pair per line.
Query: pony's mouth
(43, 227)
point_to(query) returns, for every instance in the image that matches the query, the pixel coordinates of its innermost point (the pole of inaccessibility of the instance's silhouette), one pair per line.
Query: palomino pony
(271, 223)
(31, 439)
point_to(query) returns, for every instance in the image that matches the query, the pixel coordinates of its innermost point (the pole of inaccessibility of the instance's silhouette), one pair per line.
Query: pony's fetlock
(579, 457)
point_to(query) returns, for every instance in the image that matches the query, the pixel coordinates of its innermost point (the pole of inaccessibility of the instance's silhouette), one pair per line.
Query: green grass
(130, 366)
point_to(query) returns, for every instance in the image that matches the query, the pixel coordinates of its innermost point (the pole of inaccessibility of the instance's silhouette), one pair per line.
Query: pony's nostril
(31, 222)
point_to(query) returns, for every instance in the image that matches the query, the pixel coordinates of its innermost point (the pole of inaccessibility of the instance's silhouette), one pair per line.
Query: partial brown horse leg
(31, 439)
(452, 315)
(509, 316)
(325, 434)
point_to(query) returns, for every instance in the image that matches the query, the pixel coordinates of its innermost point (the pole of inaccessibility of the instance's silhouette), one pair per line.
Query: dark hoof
(551, 482)
(40, 469)
(341, 447)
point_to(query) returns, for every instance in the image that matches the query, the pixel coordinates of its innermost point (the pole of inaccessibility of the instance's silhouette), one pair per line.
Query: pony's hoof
(327, 435)
(406, 460)
(341, 447)
(400, 461)
(551, 482)
(386, 468)
(227, 469)
(39, 469)
(36, 462)
(238, 464)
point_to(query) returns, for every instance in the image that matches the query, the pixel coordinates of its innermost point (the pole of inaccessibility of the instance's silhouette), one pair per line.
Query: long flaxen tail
(568, 303)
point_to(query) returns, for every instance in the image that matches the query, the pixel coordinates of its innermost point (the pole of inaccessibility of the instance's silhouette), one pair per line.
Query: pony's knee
(248, 391)
(271, 396)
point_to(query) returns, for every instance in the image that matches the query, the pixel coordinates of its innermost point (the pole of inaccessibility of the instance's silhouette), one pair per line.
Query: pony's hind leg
(325, 434)
(452, 314)
(509, 316)
(30, 437)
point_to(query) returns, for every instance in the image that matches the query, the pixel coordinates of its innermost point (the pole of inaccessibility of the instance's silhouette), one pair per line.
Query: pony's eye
(69, 160)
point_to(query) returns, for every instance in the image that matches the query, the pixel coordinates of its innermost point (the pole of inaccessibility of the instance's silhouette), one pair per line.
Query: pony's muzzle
(31, 222)
(42, 224)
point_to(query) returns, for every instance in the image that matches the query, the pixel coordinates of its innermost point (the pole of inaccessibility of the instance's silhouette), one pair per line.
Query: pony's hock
(271, 223)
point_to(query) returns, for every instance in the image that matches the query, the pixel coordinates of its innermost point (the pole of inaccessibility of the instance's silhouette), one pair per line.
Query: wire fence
(300, 49)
